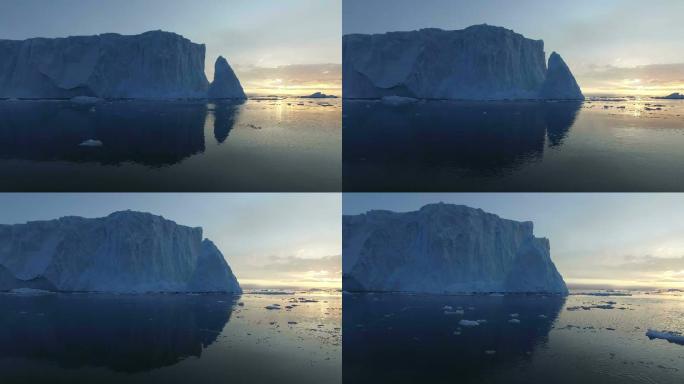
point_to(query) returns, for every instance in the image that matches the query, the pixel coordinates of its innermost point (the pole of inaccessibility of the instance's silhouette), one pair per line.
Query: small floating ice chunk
(456, 312)
(542, 316)
(398, 100)
(490, 352)
(91, 143)
(447, 307)
(514, 321)
(85, 100)
(30, 291)
(672, 337)
(514, 315)
(468, 323)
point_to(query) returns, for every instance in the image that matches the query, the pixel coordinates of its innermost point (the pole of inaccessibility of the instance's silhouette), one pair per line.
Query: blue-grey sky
(611, 45)
(249, 33)
(268, 239)
(618, 239)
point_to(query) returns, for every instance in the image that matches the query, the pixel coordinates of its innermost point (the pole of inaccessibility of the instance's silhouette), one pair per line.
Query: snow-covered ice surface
(154, 64)
(405, 338)
(480, 62)
(445, 248)
(102, 338)
(125, 252)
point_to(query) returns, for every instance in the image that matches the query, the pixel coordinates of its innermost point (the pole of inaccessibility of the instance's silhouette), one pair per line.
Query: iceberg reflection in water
(404, 338)
(130, 334)
(274, 145)
(172, 338)
(596, 145)
(582, 338)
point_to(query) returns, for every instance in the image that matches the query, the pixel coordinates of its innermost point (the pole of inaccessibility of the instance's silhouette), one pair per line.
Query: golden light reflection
(660, 281)
(331, 284)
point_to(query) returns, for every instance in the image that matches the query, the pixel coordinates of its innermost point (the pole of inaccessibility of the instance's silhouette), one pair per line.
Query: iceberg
(672, 96)
(445, 248)
(151, 65)
(226, 85)
(672, 337)
(559, 84)
(480, 62)
(125, 252)
(91, 143)
(319, 95)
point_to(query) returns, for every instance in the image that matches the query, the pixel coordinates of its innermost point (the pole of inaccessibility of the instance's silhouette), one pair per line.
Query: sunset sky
(270, 240)
(600, 240)
(280, 47)
(612, 46)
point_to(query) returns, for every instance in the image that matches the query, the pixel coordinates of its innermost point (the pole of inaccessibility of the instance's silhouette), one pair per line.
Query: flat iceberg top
(445, 248)
(481, 62)
(154, 64)
(126, 251)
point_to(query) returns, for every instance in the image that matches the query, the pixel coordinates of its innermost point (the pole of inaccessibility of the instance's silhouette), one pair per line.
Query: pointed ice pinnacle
(560, 84)
(226, 85)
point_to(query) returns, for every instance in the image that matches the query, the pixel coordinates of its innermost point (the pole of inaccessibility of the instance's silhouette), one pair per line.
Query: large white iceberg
(156, 65)
(444, 248)
(481, 62)
(126, 252)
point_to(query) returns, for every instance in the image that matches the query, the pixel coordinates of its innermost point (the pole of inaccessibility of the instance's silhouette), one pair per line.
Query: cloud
(642, 79)
(294, 79)
(651, 264)
(646, 270)
(285, 264)
(297, 271)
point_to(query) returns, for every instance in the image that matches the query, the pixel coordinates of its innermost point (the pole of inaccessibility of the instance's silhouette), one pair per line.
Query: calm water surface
(408, 338)
(72, 338)
(626, 144)
(284, 144)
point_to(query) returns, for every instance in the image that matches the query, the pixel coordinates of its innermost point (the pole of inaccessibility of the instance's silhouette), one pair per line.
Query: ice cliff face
(478, 63)
(157, 65)
(445, 248)
(123, 252)
(226, 85)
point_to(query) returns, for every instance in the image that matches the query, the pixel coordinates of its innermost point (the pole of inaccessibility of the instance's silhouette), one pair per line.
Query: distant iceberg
(152, 65)
(672, 96)
(319, 95)
(445, 248)
(125, 252)
(480, 62)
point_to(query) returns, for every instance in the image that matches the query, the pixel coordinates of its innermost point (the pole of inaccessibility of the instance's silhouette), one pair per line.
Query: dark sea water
(89, 338)
(285, 144)
(623, 145)
(399, 338)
